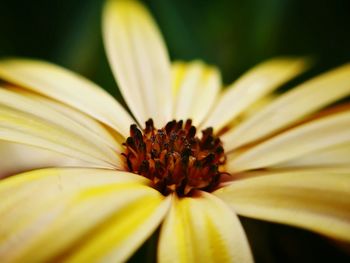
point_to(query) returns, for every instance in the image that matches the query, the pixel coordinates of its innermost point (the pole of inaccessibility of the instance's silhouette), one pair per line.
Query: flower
(263, 156)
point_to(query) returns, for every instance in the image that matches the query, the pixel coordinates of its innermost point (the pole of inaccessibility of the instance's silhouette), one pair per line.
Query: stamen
(174, 158)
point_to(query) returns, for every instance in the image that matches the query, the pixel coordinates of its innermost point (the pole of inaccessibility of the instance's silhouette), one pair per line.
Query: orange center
(174, 158)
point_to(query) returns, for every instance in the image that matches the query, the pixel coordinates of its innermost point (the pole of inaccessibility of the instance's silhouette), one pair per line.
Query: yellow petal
(304, 139)
(253, 108)
(60, 115)
(317, 201)
(139, 60)
(22, 189)
(20, 127)
(258, 105)
(17, 158)
(336, 155)
(25, 192)
(292, 106)
(128, 229)
(67, 87)
(340, 169)
(104, 215)
(202, 229)
(79, 117)
(195, 89)
(252, 86)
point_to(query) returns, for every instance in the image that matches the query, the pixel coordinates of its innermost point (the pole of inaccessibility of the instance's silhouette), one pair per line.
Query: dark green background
(234, 35)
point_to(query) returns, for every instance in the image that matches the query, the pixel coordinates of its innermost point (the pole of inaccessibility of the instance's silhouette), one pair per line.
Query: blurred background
(232, 34)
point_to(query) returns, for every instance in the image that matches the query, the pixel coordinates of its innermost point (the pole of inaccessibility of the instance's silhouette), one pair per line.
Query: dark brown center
(174, 158)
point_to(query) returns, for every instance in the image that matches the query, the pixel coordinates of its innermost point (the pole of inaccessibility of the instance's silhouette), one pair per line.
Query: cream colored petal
(252, 86)
(67, 87)
(60, 115)
(22, 189)
(292, 106)
(113, 208)
(77, 116)
(202, 229)
(338, 169)
(251, 111)
(336, 155)
(17, 158)
(195, 89)
(318, 201)
(258, 106)
(130, 227)
(302, 140)
(20, 127)
(139, 60)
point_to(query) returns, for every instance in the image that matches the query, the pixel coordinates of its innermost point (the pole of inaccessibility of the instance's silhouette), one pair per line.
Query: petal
(253, 108)
(81, 118)
(60, 115)
(202, 229)
(139, 60)
(304, 139)
(25, 193)
(195, 88)
(278, 170)
(317, 201)
(67, 87)
(252, 86)
(103, 215)
(52, 181)
(292, 106)
(31, 190)
(20, 127)
(17, 158)
(334, 155)
(129, 228)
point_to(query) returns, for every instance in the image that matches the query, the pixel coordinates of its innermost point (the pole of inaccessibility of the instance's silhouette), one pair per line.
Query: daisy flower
(188, 160)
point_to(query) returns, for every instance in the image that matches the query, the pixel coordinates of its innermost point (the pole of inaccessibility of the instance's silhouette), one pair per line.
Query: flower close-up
(183, 161)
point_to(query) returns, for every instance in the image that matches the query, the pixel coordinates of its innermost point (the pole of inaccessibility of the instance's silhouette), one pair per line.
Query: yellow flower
(267, 157)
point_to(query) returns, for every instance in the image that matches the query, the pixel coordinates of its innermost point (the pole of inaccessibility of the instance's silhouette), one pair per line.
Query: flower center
(174, 158)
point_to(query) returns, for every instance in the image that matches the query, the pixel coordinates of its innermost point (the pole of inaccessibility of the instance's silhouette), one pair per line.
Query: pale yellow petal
(60, 115)
(31, 190)
(53, 180)
(128, 229)
(304, 139)
(336, 155)
(84, 204)
(139, 60)
(292, 106)
(258, 106)
(338, 169)
(20, 127)
(67, 87)
(317, 201)
(251, 111)
(195, 89)
(202, 229)
(81, 118)
(252, 86)
(16, 158)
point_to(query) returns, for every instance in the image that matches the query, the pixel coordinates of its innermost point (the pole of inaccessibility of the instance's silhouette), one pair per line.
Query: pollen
(174, 158)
